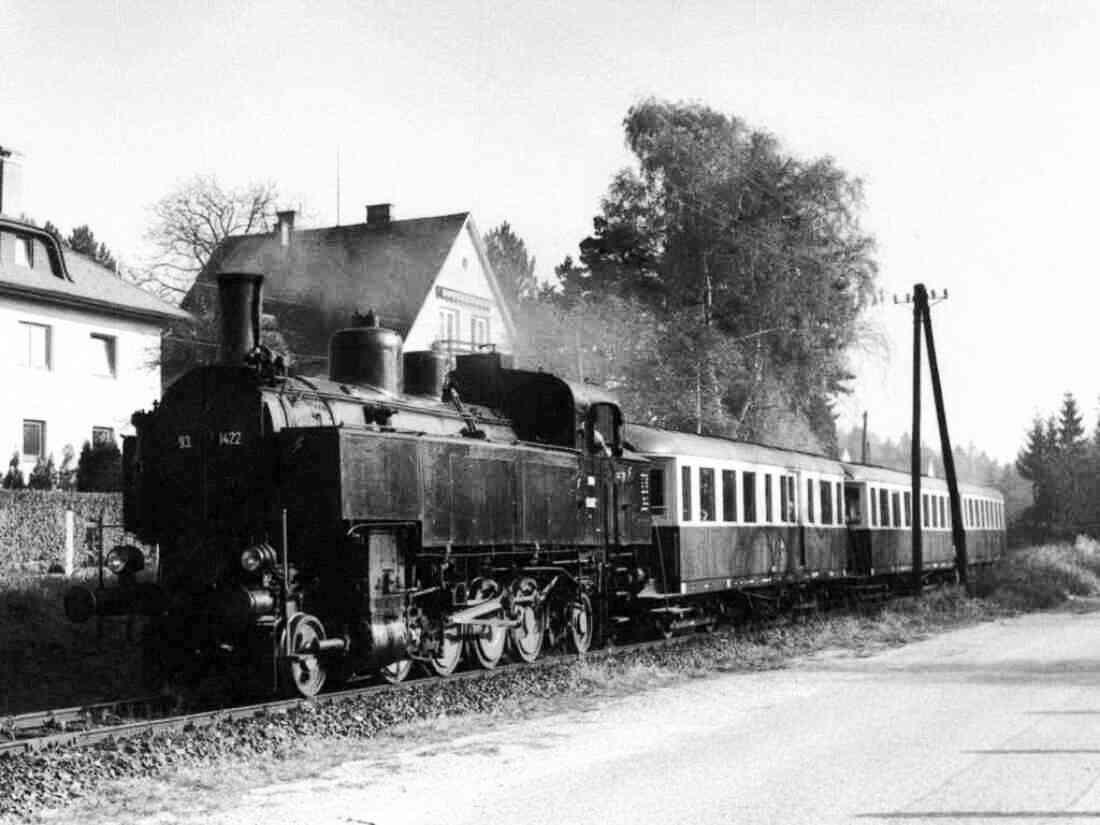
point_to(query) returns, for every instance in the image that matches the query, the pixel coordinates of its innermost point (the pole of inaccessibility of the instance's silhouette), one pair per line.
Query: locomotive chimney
(240, 297)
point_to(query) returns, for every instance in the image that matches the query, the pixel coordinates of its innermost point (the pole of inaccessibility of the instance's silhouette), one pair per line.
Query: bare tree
(189, 223)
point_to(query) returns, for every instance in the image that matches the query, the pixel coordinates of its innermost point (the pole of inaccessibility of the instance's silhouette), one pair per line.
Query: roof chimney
(378, 214)
(11, 182)
(285, 226)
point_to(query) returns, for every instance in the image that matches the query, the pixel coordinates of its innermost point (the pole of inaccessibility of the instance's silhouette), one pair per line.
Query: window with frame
(792, 504)
(884, 507)
(943, 518)
(102, 435)
(925, 513)
(826, 489)
(810, 519)
(729, 495)
(479, 330)
(839, 505)
(748, 497)
(35, 345)
(448, 325)
(908, 500)
(706, 495)
(685, 493)
(104, 353)
(784, 498)
(895, 506)
(767, 497)
(34, 438)
(874, 506)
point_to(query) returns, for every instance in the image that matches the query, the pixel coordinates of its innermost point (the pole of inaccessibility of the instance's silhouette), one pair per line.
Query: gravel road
(998, 722)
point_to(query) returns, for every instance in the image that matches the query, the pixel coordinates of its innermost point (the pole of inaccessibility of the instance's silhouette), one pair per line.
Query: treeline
(1061, 462)
(720, 289)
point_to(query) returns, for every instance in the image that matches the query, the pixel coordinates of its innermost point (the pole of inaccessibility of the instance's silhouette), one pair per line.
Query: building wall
(69, 396)
(461, 290)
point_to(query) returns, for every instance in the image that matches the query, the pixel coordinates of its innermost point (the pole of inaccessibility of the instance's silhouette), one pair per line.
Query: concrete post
(69, 543)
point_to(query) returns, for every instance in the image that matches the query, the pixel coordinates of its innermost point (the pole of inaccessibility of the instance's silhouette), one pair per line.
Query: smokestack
(285, 226)
(240, 300)
(378, 214)
(11, 182)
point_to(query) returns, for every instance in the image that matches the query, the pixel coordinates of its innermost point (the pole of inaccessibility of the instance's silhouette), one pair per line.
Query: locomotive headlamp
(125, 559)
(257, 556)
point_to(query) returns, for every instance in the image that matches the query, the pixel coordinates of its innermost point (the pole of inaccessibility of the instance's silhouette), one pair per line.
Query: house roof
(80, 282)
(389, 268)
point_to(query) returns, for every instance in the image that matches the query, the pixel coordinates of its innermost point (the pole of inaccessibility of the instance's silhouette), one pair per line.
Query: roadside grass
(1042, 577)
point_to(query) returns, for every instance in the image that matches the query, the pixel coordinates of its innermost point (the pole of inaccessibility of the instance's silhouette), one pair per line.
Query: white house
(79, 347)
(427, 278)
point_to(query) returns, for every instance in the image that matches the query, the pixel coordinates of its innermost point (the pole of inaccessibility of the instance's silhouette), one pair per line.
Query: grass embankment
(47, 662)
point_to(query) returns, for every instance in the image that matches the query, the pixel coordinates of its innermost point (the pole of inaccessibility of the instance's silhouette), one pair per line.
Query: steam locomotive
(395, 512)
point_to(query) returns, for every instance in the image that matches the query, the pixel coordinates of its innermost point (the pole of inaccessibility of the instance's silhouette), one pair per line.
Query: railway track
(87, 725)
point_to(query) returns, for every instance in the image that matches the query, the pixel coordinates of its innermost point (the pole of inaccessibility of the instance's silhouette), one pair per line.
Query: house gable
(466, 290)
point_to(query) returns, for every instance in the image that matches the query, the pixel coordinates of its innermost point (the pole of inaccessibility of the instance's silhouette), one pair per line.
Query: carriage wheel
(450, 654)
(397, 671)
(580, 624)
(304, 673)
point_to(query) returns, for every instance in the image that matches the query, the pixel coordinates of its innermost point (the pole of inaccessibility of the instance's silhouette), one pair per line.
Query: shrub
(100, 468)
(43, 476)
(66, 475)
(13, 480)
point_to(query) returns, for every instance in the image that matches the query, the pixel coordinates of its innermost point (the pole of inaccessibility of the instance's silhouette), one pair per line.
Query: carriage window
(792, 504)
(810, 501)
(826, 502)
(784, 498)
(839, 505)
(874, 506)
(943, 519)
(852, 504)
(729, 495)
(884, 508)
(706, 494)
(657, 492)
(924, 514)
(767, 497)
(748, 497)
(895, 503)
(685, 492)
(907, 500)
(603, 429)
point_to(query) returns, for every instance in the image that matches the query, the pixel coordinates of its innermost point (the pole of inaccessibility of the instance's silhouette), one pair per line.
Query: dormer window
(24, 252)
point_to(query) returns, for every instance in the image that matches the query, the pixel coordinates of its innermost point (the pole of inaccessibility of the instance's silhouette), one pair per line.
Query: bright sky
(973, 124)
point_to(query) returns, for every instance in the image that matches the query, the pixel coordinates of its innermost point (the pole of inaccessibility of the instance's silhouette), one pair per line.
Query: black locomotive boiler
(389, 513)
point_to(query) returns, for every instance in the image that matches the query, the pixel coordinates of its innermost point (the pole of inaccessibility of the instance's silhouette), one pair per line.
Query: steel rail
(11, 725)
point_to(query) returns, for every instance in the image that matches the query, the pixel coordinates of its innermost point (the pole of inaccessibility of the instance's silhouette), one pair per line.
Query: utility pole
(863, 443)
(922, 322)
(958, 534)
(920, 306)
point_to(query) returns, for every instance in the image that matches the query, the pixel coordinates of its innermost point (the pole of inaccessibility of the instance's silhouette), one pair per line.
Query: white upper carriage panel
(705, 481)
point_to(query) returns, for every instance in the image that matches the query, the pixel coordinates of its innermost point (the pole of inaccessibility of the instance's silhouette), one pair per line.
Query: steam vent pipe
(240, 298)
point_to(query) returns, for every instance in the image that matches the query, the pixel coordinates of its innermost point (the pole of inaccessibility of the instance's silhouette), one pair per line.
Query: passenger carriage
(879, 509)
(731, 516)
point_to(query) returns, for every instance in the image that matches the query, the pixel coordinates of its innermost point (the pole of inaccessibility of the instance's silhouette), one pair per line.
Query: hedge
(32, 527)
